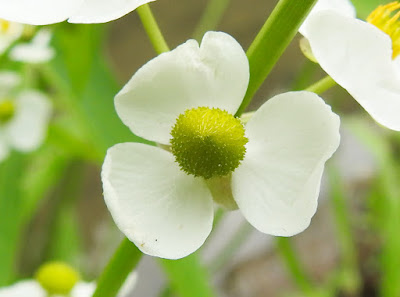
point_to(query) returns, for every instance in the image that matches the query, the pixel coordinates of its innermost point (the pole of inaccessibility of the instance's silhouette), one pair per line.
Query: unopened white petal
(342, 7)
(358, 56)
(36, 51)
(38, 12)
(101, 11)
(277, 185)
(9, 35)
(164, 211)
(28, 288)
(83, 289)
(215, 74)
(27, 130)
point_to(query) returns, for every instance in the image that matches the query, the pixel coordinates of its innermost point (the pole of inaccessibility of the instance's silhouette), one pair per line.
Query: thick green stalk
(152, 29)
(276, 34)
(322, 85)
(210, 19)
(121, 264)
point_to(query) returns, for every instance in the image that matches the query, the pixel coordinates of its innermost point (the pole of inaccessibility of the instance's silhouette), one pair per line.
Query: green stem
(121, 264)
(270, 43)
(211, 17)
(322, 85)
(152, 29)
(345, 237)
(294, 265)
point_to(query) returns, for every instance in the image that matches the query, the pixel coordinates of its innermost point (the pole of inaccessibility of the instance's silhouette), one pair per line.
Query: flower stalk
(152, 29)
(322, 85)
(117, 270)
(272, 40)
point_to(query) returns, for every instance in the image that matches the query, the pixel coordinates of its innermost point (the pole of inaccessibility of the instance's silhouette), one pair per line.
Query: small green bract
(208, 142)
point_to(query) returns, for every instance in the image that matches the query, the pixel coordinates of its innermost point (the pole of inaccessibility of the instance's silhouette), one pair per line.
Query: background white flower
(26, 127)
(168, 213)
(360, 58)
(9, 32)
(38, 50)
(42, 12)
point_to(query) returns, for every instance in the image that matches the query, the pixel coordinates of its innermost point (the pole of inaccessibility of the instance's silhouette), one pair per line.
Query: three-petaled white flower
(43, 12)
(24, 116)
(362, 57)
(185, 101)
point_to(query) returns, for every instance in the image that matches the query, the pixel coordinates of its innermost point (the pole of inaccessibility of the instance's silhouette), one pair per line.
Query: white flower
(38, 50)
(9, 32)
(167, 212)
(362, 57)
(23, 117)
(43, 12)
(32, 288)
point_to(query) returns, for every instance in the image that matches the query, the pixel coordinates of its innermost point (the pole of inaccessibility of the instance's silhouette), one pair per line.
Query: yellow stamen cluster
(57, 278)
(7, 110)
(4, 26)
(386, 18)
(208, 142)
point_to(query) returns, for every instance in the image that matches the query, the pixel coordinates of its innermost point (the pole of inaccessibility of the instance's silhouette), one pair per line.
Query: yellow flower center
(7, 110)
(57, 278)
(208, 142)
(4, 26)
(386, 18)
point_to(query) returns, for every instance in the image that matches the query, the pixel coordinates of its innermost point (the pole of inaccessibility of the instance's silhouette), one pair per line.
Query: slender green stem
(322, 85)
(152, 29)
(121, 264)
(294, 265)
(272, 40)
(345, 237)
(210, 19)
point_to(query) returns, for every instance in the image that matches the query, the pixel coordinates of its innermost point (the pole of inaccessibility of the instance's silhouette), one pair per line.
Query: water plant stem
(322, 85)
(152, 29)
(120, 265)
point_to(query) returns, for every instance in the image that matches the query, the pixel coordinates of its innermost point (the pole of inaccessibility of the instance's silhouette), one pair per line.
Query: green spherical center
(7, 110)
(208, 142)
(57, 278)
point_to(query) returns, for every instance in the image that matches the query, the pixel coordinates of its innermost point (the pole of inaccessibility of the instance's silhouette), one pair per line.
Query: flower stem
(322, 85)
(152, 29)
(272, 40)
(212, 15)
(124, 260)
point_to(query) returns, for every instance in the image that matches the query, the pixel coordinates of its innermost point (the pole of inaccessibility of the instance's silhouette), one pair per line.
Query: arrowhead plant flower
(162, 198)
(43, 12)
(361, 56)
(24, 116)
(59, 279)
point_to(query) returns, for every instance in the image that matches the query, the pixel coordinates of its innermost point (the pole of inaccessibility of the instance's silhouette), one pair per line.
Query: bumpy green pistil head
(208, 142)
(7, 110)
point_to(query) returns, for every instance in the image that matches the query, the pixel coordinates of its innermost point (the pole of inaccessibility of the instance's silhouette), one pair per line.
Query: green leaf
(188, 278)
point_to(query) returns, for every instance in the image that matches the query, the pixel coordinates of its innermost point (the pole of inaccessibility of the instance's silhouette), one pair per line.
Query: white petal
(358, 56)
(8, 81)
(128, 285)
(27, 130)
(8, 36)
(277, 185)
(214, 75)
(28, 288)
(342, 7)
(83, 289)
(164, 211)
(38, 12)
(36, 51)
(101, 11)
